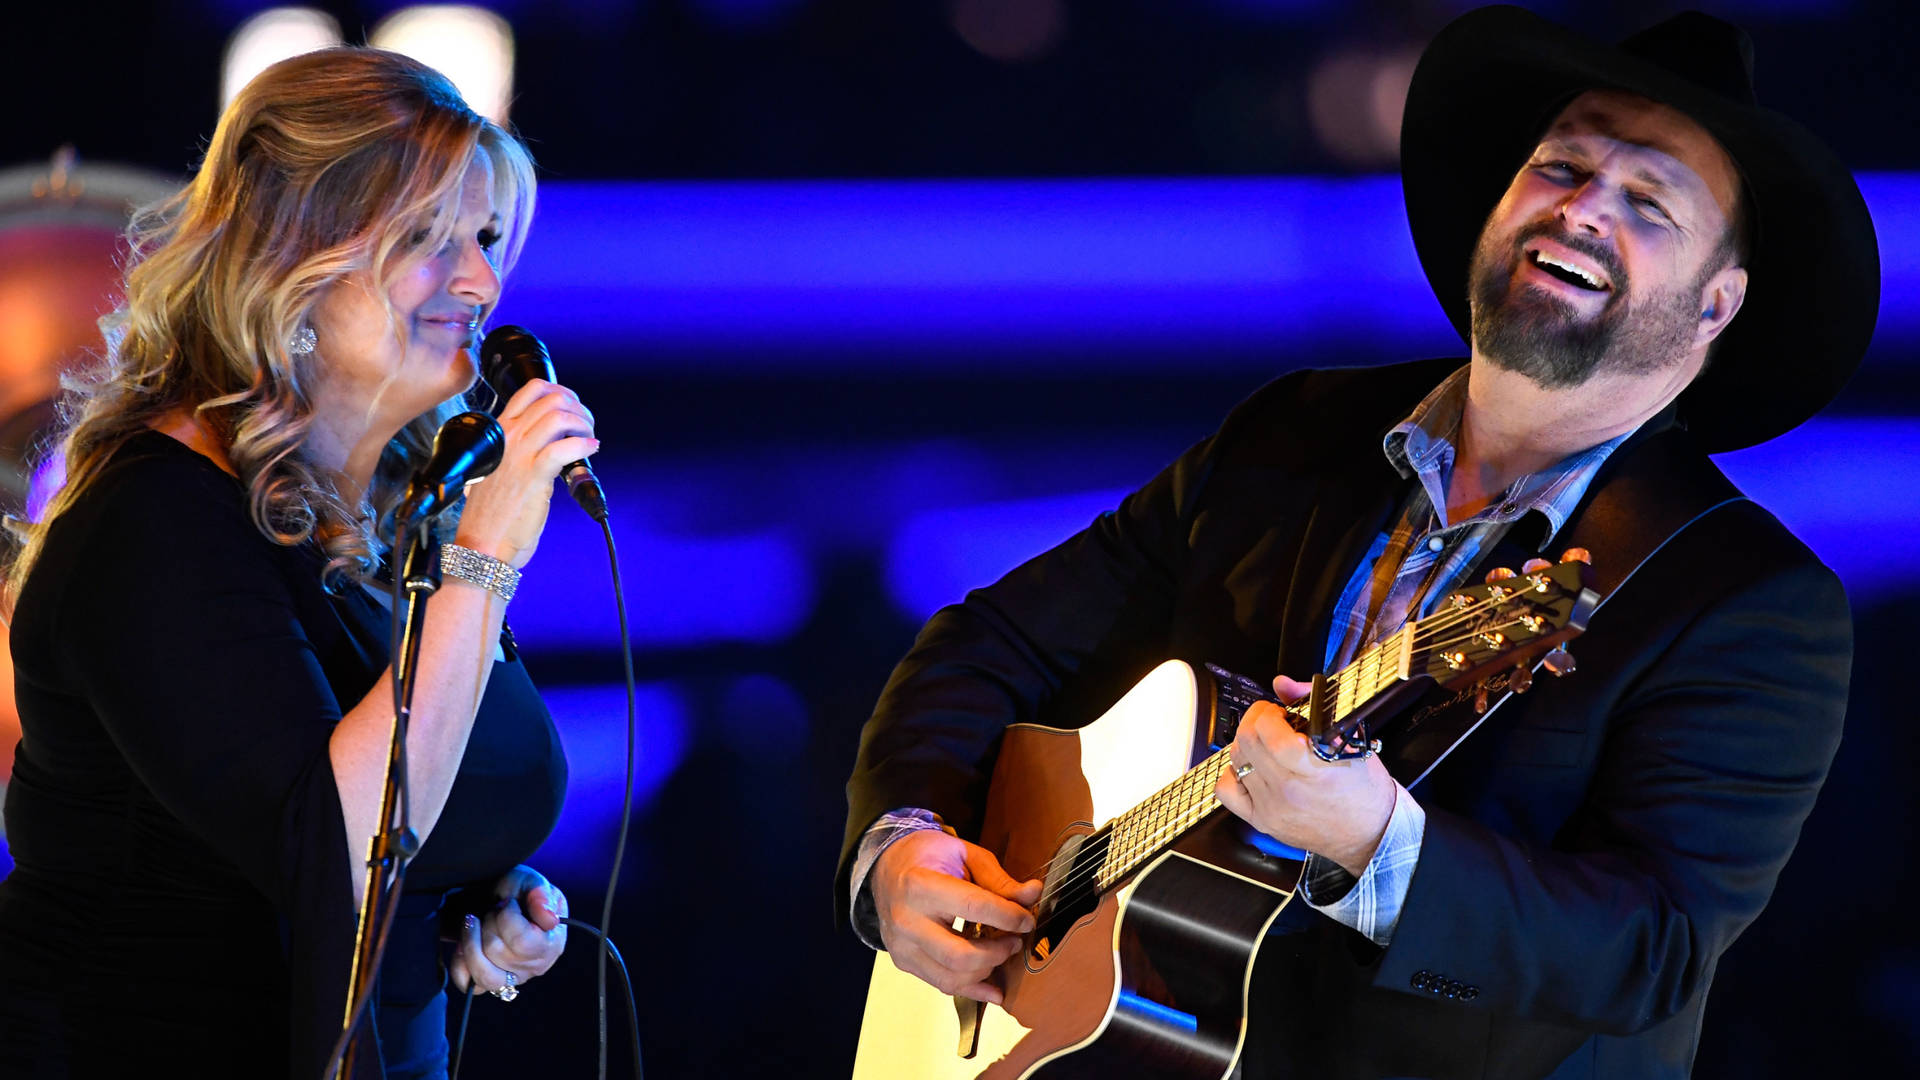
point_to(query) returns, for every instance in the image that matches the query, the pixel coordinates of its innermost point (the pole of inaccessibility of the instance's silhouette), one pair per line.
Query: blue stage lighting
(940, 274)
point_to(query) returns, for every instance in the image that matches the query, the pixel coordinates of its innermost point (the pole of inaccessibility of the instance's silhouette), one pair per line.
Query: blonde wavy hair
(325, 164)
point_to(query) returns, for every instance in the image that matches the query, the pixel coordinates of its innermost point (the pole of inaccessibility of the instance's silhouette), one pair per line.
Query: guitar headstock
(1472, 633)
(1504, 623)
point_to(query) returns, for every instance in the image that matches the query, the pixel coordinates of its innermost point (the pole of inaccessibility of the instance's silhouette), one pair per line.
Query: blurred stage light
(592, 724)
(62, 226)
(937, 556)
(470, 45)
(270, 37)
(961, 275)
(1010, 29)
(764, 716)
(1841, 483)
(1354, 100)
(753, 587)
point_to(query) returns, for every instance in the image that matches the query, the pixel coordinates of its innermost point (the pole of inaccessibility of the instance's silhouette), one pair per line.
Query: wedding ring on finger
(1241, 772)
(509, 991)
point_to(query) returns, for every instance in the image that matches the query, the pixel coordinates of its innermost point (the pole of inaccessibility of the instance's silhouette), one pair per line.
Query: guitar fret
(1361, 681)
(1137, 835)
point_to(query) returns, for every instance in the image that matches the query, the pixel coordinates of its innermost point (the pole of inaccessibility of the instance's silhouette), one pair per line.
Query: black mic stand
(395, 844)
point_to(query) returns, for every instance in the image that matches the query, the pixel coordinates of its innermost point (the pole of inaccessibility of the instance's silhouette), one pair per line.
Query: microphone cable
(626, 818)
(607, 949)
(619, 853)
(386, 919)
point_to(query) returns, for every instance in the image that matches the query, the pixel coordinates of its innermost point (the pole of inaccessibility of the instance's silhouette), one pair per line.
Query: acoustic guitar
(1155, 899)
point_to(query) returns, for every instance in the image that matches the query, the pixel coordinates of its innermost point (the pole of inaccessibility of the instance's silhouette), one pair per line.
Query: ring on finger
(509, 991)
(1241, 772)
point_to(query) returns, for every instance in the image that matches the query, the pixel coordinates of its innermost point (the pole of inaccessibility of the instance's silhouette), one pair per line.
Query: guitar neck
(1141, 833)
(1471, 632)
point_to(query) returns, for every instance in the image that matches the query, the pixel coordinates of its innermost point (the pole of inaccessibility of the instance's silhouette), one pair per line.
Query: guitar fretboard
(1144, 831)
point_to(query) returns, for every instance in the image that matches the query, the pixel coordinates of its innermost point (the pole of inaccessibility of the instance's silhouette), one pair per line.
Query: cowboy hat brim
(1484, 91)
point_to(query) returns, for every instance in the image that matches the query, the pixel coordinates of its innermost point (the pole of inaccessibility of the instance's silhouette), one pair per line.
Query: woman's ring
(509, 991)
(1240, 772)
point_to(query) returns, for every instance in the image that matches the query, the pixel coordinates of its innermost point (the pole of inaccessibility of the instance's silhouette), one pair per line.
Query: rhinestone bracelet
(483, 570)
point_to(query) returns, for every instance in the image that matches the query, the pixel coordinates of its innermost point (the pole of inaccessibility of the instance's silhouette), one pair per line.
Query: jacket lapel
(1351, 507)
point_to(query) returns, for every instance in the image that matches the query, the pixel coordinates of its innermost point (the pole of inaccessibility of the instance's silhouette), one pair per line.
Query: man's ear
(1720, 301)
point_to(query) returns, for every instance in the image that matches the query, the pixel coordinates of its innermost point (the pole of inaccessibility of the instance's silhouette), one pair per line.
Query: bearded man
(1648, 267)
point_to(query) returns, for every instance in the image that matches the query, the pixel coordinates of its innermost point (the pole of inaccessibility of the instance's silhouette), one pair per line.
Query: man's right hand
(924, 881)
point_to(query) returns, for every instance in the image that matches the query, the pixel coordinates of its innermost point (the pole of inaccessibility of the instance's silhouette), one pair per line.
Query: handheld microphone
(510, 356)
(467, 447)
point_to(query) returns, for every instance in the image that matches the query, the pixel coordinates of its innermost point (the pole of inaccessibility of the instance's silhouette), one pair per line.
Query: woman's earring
(303, 342)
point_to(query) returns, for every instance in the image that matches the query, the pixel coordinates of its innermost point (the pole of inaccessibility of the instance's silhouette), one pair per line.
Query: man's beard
(1537, 333)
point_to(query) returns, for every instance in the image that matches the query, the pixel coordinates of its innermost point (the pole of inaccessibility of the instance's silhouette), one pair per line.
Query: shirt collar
(1422, 447)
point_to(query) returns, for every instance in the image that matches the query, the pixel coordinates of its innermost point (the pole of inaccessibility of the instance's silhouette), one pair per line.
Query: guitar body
(1156, 898)
(1135, 980)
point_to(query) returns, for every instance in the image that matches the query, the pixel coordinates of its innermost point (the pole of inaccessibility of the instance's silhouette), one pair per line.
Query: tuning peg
(1522, 680)
(1579, 555)
(1532, 565)
(1559, 661)
(1499, 573)
(1480, 698)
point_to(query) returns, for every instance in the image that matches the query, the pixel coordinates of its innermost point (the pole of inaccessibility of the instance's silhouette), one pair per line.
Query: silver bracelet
(483, 570)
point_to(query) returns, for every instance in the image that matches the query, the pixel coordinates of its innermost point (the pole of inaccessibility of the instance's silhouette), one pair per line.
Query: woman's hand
(521, 935)
(546, 427)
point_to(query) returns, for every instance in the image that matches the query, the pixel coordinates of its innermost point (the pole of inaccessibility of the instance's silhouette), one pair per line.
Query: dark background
(724, 907)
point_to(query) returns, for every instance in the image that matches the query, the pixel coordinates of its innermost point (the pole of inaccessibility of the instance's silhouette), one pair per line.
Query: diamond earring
(303, 342)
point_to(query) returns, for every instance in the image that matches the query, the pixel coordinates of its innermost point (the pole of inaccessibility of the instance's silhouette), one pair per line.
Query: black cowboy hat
(1492, 80)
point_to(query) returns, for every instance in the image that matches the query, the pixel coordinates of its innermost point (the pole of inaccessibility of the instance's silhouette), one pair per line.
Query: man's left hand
(1336, 809)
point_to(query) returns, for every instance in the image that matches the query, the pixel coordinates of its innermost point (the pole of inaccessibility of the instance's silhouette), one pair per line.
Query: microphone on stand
(510, 356)
(467, 447)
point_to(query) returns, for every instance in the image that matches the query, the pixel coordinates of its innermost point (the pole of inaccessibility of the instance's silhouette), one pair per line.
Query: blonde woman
(197, 630)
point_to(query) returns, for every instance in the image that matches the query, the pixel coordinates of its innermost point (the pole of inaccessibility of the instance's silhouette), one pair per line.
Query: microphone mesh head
(510, 356)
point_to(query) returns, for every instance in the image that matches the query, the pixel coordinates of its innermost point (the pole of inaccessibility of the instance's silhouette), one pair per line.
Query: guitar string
(1153, 840)
(1185, 814)
(1423, 631)
(1150, 841)
(1196, 799)
(1175, 797)
(1426, 628)
(1168, 796)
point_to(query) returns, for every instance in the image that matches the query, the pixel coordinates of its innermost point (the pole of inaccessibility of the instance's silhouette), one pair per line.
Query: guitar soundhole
(1070, 895)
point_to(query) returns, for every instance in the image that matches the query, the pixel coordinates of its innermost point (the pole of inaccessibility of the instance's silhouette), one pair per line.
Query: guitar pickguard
(1067, 895)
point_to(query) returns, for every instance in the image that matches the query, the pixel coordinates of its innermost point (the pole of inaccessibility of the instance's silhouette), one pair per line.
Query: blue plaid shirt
(1413, 564)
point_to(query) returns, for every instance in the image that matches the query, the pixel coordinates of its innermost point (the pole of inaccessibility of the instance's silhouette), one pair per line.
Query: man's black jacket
(1589, 852)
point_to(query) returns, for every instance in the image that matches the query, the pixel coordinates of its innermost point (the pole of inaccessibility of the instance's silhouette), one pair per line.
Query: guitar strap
(1648, 497)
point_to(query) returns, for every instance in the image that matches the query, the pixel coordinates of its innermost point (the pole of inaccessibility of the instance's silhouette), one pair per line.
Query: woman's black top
(182, 888)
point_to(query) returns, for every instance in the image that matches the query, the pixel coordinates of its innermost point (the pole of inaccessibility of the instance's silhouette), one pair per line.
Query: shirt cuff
(1371, 903)
(891, 826)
